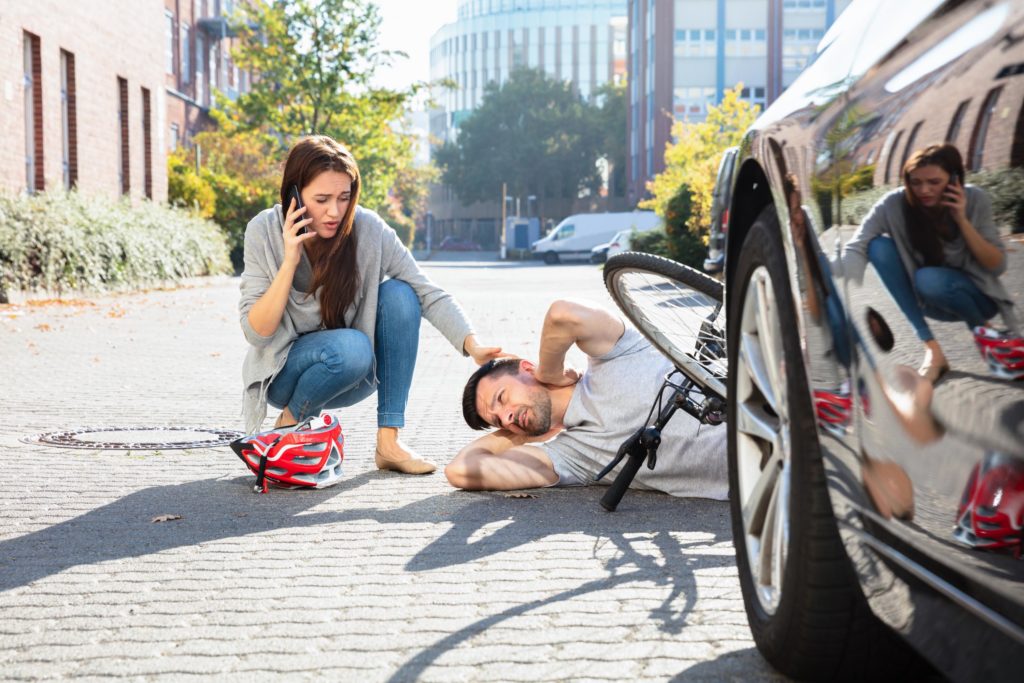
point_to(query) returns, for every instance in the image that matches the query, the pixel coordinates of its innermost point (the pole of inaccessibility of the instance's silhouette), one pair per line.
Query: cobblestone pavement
(381, 578)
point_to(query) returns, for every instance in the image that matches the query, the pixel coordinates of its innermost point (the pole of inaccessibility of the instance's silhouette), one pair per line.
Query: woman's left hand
(481, 354)
(955, 199)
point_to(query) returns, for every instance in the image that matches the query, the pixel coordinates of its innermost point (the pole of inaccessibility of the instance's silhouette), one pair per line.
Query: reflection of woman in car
(936, 248)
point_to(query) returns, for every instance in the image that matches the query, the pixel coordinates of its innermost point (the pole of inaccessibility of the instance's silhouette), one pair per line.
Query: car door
(935, 464)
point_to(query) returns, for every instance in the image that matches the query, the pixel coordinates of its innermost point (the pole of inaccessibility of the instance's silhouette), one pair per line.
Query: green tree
(533, 132)
(611, 126)
(315, 60)
(691, 163)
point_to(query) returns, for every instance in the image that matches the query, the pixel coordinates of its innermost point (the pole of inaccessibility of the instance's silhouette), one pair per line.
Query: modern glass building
(683, 55)
(582, 41)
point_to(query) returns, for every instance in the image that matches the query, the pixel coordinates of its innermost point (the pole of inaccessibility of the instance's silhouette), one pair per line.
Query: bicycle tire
(678, 309)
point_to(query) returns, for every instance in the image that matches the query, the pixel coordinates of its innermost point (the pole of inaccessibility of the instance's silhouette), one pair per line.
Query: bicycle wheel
(678, 309)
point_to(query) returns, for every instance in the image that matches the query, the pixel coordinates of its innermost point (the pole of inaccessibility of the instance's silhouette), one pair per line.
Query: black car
(876, 429)
(721, 197)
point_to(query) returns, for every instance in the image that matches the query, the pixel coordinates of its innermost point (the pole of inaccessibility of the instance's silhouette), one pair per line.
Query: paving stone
(381, 578)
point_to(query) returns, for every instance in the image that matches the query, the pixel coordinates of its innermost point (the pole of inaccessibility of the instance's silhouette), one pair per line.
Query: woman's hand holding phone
(955, 199)
(295, 232)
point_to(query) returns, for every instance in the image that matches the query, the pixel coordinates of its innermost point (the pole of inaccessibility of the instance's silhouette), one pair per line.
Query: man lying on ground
(577, 421)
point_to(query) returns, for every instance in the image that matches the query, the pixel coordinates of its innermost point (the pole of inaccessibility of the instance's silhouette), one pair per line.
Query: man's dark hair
(498, 366)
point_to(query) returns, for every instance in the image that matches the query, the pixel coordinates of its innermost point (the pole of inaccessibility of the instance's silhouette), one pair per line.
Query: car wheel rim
(762, 440)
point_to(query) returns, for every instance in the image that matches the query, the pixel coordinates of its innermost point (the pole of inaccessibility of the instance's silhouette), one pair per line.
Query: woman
(934, 245)
(331, 305)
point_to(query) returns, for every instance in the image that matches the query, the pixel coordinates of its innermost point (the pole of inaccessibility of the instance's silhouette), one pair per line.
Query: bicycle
(680, 311)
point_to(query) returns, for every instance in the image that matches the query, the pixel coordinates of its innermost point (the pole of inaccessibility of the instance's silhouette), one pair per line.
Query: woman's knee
(882, 252)
(399, 299)
(933, 284)
(349, 352)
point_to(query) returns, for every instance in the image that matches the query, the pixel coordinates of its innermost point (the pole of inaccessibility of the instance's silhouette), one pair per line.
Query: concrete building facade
(580, 41)
(684, 54)
(82, 97)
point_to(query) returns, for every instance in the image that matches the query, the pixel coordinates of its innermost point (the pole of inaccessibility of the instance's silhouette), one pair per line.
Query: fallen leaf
(520, 494)
(165, 518)
(43, 327)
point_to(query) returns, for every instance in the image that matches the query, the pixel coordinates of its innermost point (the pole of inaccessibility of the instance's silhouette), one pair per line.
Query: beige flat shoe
(412, 465)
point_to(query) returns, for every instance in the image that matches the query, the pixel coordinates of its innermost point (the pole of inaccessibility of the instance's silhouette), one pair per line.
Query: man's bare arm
(593, 329)
(501, 461)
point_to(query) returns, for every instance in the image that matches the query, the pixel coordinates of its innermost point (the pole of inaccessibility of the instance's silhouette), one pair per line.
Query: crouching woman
(331, 305)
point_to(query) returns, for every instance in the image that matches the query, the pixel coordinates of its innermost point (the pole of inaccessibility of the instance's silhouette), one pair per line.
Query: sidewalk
(382, 578)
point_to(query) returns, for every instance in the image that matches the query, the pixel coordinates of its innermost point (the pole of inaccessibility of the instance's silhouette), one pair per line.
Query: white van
(574, 237)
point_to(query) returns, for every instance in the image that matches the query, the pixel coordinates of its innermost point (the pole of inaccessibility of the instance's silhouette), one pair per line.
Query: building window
(169, 41)
(186, 55)
(69, 118)
(172, 139)
(200, 68)
(147, 146)
(910, 144)
(981, 129)
(33, 83)
(958, 119)
(892, 153)
(122, 121)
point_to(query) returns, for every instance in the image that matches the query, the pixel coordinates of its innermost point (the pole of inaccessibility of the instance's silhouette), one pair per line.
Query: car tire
(550, 258)
(809, 618)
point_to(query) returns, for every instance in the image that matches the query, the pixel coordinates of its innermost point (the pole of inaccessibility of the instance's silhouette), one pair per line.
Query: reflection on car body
(919, 478)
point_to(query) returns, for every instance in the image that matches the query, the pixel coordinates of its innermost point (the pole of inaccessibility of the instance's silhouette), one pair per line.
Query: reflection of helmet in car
(991, 513)
(308, 455)
(1003, 353)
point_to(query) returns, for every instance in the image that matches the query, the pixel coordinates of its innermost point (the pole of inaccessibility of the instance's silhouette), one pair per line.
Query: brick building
(92, 95)
(197, 44)
(82, 97)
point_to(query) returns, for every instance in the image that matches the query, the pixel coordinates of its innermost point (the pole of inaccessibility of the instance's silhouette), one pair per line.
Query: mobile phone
(294, 194)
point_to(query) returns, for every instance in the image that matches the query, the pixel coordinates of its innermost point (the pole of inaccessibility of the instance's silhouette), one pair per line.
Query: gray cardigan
(379, 255)
(886, 217)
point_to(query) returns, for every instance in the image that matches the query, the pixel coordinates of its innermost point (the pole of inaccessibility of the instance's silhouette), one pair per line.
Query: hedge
(69, 241)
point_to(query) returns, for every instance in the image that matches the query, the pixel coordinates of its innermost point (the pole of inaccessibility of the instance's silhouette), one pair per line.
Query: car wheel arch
(751, 193)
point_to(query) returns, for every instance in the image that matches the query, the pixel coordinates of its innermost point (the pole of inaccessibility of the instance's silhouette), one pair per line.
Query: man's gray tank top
(611, 402)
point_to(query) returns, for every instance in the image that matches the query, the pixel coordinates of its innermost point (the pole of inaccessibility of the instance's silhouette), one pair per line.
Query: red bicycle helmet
(991, 512)
(1003, 353)
(834, 410)
(307, 455)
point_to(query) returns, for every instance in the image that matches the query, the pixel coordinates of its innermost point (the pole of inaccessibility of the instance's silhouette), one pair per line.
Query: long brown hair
(926, 230)
(334, 264)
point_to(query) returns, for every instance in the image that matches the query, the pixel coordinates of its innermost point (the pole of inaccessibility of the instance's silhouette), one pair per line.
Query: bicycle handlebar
(610, 500)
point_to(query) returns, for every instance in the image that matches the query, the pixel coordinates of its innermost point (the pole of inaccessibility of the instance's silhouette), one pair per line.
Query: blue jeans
(330, 369)
(942, 293)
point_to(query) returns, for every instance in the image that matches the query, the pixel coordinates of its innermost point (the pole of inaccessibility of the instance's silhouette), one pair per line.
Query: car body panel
(897, 468)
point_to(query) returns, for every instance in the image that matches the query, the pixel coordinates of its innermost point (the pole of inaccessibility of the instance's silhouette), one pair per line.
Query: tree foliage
(239, 175)
(691, 163)
(532, 132)
(315, 60)
(611, 126)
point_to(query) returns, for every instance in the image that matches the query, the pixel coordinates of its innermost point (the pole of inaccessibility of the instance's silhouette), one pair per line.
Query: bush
(682, 241)
(70, 241)
(649, 242)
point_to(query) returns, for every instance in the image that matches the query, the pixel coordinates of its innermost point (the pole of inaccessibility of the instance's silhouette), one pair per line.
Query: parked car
(878, 510)
(577, 235)
(453, 243)
(619, 243)
(720, 196)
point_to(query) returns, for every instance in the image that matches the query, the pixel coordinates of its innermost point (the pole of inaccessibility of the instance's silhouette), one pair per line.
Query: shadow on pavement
(215, 509)
(739, 665)
(652, 517)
